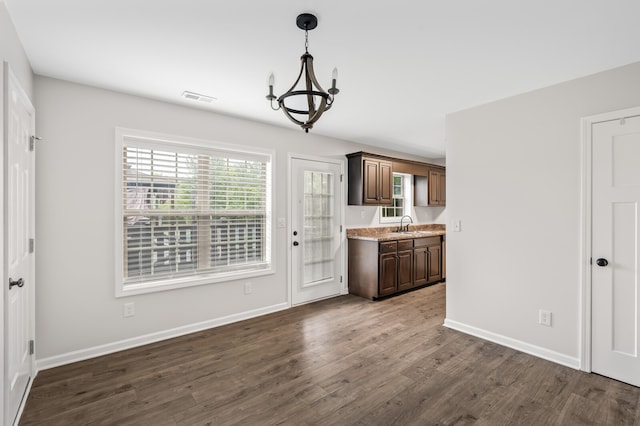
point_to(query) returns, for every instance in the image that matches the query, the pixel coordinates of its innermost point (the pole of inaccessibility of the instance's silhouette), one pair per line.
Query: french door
(316, 230)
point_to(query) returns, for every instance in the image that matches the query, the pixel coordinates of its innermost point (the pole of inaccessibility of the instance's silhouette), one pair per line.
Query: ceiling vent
(198, 97)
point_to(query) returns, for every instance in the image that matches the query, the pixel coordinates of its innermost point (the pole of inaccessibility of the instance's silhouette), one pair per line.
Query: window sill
(132, 289)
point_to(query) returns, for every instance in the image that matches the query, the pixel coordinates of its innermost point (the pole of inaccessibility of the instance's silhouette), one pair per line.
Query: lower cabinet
(388, 269)
(427, 258)
(378, 269)
(405, 264)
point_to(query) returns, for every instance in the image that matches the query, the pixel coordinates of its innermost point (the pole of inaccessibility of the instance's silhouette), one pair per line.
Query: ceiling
(403, 65)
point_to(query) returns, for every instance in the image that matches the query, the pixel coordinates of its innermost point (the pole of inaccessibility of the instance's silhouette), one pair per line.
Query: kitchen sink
(416, 233)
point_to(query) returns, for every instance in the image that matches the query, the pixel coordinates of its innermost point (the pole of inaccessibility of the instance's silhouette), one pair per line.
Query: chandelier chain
(306, 41)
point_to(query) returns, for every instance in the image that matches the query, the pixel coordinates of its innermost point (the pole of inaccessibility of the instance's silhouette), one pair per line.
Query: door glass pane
(318, 227)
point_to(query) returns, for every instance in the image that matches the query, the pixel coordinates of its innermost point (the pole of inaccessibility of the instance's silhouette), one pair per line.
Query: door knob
(295, 243)
(602, 262)
(13, 283)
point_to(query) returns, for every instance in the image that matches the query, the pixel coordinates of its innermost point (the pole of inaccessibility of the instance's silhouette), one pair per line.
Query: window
(189, 213)
(401, 202)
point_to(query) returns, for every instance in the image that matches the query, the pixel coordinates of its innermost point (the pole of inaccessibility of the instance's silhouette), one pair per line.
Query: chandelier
(306, 105)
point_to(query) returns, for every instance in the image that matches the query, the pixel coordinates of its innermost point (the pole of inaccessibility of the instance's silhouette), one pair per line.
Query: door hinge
(340, 228)
(341, 178)
(340, 278)
(32, 347)
(32, 244)
(32, 142)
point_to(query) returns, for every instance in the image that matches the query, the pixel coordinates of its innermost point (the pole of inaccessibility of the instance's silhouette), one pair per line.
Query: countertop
(389, 233)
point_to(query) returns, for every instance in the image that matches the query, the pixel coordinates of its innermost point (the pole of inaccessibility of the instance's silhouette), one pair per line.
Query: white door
(19, 284)
(615, 235)
(316, 245)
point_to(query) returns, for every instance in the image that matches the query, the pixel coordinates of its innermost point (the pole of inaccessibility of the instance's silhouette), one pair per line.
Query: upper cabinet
(437, 187)
(370, 180)
(430, 190)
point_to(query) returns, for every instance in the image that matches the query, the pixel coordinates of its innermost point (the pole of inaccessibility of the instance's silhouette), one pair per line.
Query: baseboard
(96, 351)
(23, 402)
(515, 344)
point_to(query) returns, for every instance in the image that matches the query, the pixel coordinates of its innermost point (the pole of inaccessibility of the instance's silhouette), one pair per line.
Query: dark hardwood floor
(343, 361)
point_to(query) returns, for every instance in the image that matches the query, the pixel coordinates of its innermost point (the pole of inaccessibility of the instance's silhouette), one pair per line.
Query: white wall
(514, 180)
(365, 216)
(76, 307)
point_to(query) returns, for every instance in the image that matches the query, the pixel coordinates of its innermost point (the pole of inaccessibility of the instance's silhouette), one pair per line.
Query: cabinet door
(385, 186)
(370, 182)
(444, 257)
(388, 270)
(405, 270)
(434, 188)
(420, 265)
(442, 190)
(435, 263)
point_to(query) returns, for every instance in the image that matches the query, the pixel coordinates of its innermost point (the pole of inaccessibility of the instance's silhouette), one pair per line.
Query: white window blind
(190, 212)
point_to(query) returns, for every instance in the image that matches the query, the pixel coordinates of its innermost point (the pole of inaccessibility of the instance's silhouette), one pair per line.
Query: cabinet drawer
(405, 245)
(388, 246)
(429, 241)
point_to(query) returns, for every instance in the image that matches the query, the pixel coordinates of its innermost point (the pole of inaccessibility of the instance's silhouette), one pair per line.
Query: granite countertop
(389, 233)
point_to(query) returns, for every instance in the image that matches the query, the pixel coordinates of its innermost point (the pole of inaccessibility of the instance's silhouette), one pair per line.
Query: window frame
(187, 144)
(407, 191)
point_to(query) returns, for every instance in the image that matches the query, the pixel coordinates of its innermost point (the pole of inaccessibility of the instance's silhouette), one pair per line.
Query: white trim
(343, 236)
(96, 351)
(518, 345)
(587, 123)
(23, 403)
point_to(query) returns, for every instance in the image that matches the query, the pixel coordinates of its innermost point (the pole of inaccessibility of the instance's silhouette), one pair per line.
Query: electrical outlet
(248, 288)
(544, 318)
(129, 310)
(457, 225)
(282, 222)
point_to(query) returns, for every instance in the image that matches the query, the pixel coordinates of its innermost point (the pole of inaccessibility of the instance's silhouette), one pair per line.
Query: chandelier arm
(311, 73)
(310, 100)
(316, 116)
(295, 83)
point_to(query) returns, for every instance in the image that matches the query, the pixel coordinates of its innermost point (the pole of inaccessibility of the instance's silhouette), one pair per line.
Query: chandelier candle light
(293, 101)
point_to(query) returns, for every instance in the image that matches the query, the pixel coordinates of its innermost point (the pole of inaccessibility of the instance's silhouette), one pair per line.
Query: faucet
(406, 228)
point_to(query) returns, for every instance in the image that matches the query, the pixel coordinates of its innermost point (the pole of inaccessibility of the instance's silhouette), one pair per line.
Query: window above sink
(402, 199)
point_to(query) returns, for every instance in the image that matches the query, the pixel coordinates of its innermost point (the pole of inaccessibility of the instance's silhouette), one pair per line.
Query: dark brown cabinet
(437, 187)
(370, 180)
(431, 190)
(427, 260)
(405, 264)
(388, 265)
(378, 269)
(387, 268)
